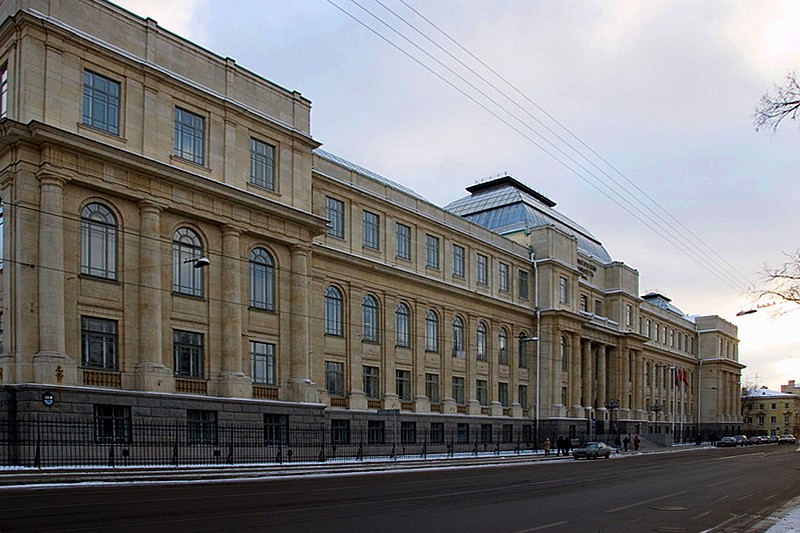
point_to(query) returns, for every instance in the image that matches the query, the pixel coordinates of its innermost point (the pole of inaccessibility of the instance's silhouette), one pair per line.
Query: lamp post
(538, 311)
(656, 408)
(523, 339)
(611, 405)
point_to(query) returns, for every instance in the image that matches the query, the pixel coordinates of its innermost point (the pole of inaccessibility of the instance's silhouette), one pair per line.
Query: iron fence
(49, 442)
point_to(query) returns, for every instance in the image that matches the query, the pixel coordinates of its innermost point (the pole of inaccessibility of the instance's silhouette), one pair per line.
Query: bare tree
(773, 108)
(781, 285)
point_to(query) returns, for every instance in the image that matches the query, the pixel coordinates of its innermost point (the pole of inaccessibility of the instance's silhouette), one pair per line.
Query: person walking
(626, 441)
(636, 442)
(546, 446)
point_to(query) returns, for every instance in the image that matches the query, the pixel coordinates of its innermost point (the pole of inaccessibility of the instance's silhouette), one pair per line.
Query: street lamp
(538, 311)
(611, 405)
(200, 262)
(523, 339)
(657, 408)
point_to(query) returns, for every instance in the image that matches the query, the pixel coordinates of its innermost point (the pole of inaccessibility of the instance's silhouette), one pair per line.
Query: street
(694, 490)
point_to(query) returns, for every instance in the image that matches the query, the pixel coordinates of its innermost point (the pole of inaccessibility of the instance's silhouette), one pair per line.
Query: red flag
(685, 377)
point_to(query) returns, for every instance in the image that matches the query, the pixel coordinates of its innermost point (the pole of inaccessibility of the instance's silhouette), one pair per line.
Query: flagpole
(683, 402)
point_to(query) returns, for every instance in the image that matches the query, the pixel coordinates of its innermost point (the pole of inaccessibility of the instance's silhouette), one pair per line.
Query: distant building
(177, 247)
(768, 412)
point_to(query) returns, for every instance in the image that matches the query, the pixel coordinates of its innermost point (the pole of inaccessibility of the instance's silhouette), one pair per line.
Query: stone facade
(128, 153)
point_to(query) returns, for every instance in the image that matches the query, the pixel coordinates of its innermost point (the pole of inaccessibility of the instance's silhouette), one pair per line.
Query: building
(178, 247)
(770, 413)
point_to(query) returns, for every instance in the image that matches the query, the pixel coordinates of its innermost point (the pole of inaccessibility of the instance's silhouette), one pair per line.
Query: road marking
(546, 526)
(651, 500)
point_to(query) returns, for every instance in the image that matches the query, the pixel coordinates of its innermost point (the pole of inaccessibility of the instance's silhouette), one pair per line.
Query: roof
(766, 393)
(661, 301)
(366, 173)
(504, 205)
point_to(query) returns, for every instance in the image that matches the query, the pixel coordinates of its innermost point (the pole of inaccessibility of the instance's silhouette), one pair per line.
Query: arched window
(262, 280)
(186, 249)
(481, 342)
(369, 318)
(458, 337)
(403, 325)
(502, 346)
(333, 312)
(431, 331)
(522, 349)
(98, 242)
(564, 354)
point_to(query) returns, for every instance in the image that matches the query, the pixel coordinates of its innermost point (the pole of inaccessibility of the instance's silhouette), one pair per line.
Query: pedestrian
(626, 441)
(546, 446)
(636, 442)
(698, 440)
(617, 442)
(559, 445)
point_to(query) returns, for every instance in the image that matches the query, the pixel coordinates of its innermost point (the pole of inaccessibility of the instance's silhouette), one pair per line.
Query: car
(726, 442)
(741, 440)
(773, 439)
(592, 450)
(756, 439)
(787, 439)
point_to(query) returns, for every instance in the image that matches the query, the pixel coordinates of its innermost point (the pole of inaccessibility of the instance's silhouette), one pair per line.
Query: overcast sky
(663, 91)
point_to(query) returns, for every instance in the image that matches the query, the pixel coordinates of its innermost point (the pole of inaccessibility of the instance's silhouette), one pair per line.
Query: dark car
(592, 450)
(725, 442)
(741, 440)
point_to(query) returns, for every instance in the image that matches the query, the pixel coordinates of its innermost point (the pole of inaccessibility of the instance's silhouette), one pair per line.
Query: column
(422, 404)
(558, 353)
(624, 390)
(575, 377)
(233, 381)
(602, 377)
(301, 387)
(638, 385)
(51, 364)
(151, 373)
(587, 395)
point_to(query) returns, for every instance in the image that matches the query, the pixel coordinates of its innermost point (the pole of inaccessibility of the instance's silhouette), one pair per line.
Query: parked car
(727, 442)
(592, 450)
(773, 439)
(741, 440)
(787, 439)
(756, 439)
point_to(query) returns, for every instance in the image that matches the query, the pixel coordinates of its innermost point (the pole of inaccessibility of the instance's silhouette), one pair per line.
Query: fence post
(175, 447)
(37, 460)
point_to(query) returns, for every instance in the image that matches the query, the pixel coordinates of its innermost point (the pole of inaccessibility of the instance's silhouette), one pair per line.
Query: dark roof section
(504, 205)
(659, 300)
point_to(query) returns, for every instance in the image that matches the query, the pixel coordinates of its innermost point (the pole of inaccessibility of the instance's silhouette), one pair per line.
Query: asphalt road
(721, 490)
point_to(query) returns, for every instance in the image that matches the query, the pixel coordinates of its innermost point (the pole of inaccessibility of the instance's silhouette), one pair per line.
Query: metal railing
(51, 442)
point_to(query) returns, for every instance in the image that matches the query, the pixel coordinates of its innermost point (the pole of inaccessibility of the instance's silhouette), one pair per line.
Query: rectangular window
(648, 328)
(188, 353)
(432, 387)
(408, 432)
(403, 233)
(502, 394)
(458, 390)
(372, 226)
(276, 429)
(508, 433)
(190, 136)
(502, 277)
(4, 90)
(462, 433)
(598, 307)
(101, 102)
(334, 378)
(262, 164)
(628, 315)
(563, 292)
(458, 261)
(522, 396)
(482, 391)
(201, 426)
(98, 343)
(432, 251)
(483, 270)
(376, 432)
(404, 385)
(523, 284)
(372, 382)
(584, 303)
(262, 358)
(340, 432)
(335, 213)
(486, 433)
(563, 396)
(112, 423)
(436, 435)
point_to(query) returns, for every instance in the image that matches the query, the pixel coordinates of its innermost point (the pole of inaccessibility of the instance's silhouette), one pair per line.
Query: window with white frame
(334, 378)
(403, 325)
(584, 303)
(262, 280)
(563, 290)
(262, 164)
(186, 249)
(403, 236)
(190, 136)
(431, 331)
(187, 348)
(369, 318)
(334, 324)
(4, 90)
(335, 212)
(432, 251)
(101, 96)
(98, 343)
(98, 241)
(483, 269)
(371, 227)
(481, 342)
(458, 260)
(263, 364)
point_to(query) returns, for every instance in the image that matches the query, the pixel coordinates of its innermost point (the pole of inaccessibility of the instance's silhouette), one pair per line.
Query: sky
(662, 93)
